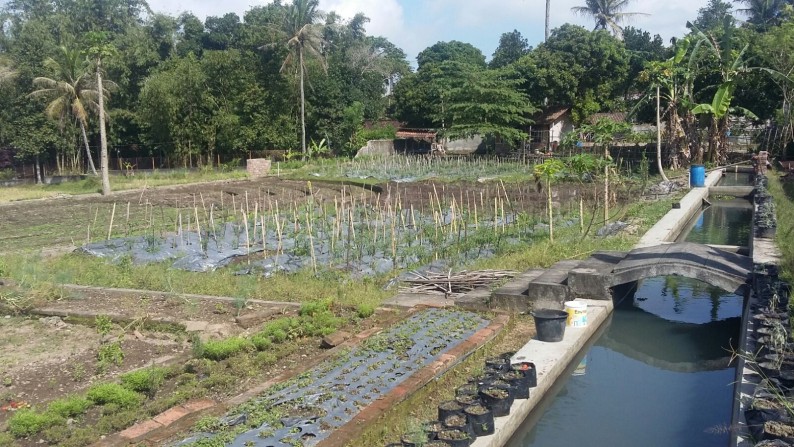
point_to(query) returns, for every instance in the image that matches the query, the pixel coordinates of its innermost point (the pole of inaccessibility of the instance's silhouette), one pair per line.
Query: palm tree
(71, 92)
(763, 12)
(302, 35)
(6, 71)
(607, 14)
(548, 12)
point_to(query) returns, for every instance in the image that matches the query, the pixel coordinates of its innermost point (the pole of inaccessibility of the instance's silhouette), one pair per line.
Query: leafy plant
(69, 406)
(109, 354)
(145, 381)
(222, 349)
(113, 393)
(28, 422)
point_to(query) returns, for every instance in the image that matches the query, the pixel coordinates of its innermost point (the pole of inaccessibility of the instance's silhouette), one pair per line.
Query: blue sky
(414, 25)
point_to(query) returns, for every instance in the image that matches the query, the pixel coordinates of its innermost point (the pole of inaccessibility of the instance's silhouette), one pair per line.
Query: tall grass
(783, 193)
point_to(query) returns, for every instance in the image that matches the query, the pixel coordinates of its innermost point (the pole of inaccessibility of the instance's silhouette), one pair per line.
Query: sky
(414, 25)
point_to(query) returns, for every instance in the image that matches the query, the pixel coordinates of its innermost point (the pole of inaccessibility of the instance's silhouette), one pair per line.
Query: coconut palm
(71, 92)
(607, 14)
(548, 13)
(763, 12)
(303, 37)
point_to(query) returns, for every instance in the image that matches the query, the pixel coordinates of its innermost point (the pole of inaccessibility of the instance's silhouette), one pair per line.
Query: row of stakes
(476, 404)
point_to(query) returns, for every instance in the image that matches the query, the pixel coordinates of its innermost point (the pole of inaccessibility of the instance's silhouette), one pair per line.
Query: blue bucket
(697, 176)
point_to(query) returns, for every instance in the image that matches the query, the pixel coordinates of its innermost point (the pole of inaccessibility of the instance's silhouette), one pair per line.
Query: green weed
(28, 422)
(223, 349)
(146, 381)
(113, 393)
(69, 406)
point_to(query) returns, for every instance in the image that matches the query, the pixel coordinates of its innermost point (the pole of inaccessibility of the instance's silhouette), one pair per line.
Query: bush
(69, 406)
(313, 307)
(223, 349)
(113, 393)
(365, 310)
(28, 422)
(261, 342)
(145, 381)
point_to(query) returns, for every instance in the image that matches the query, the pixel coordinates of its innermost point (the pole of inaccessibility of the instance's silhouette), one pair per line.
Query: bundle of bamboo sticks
(453, 284)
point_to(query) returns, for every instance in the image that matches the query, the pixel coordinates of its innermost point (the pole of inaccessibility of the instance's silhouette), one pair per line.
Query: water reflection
(658, 376)
(725, 222)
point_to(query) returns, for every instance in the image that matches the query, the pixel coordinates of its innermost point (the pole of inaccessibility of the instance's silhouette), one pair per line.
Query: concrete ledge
(668, 228)
(551, 360)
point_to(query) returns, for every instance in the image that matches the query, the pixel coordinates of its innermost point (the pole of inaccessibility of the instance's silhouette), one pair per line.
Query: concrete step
(512, 296)
(550, 290)
(590, 279)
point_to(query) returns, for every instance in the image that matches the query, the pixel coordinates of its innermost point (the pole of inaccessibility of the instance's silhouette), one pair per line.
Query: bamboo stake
(112, 215)
(198, 225)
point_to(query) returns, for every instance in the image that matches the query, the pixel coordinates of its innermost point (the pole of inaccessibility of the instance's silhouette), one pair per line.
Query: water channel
(659, 373)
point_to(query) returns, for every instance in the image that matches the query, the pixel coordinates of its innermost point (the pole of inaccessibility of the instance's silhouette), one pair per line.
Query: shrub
(223, 349)
(28, 422)
(365, 310)
(145, 381)
(113, 393)
(69, 406)
(314, 307)
(261, 342)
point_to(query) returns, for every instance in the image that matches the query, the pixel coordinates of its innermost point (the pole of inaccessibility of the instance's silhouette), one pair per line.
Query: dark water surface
(659, 375)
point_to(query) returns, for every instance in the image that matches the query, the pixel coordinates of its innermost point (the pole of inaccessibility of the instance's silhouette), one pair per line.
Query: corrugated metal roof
(421, 134)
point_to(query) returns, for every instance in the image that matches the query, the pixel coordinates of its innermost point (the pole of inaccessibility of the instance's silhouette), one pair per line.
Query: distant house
(549, 128)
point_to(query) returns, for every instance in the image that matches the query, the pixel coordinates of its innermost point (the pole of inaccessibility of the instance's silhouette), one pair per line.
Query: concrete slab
(476, 300)
(668, 227)
(551, 287)
(590, 279)
(512, 296)
(735, 191)
(551, 360)
(408, 300)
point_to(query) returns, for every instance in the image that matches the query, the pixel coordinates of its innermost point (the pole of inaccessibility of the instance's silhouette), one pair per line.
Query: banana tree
(550, 171)
(719, 109)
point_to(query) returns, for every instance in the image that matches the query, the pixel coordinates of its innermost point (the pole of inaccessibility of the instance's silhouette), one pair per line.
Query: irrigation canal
(660, 372)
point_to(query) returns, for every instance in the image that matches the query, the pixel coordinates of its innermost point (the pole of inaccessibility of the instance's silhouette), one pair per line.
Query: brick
(335, 339)
(258, 167)
(140, 429)
(252, 319)
(168, 417)
(198, 405)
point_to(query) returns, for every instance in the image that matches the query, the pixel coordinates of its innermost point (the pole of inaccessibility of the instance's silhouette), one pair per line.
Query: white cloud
(413, 25)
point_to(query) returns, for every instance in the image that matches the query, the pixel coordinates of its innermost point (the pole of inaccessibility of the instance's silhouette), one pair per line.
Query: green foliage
(223, 349)
(512, 47)
(364, 310)
(146, 381)
(27, 422)
(109, 354)
(69, 406)
(315, 318)
(113, 393)
(103, 324)
(453, 51)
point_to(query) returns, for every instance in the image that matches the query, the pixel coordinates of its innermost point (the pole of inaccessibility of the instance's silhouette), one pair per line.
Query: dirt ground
(64, 223)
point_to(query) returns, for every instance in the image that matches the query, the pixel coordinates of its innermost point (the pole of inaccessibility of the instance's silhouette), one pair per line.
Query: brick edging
(356, 426)
(155, 431)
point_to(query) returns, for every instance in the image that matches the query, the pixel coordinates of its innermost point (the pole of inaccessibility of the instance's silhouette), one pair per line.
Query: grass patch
(783, 193)
(69, 406)
(91, 184)
(223, 349)
(28, 422)
(113, 393)
(146, 381)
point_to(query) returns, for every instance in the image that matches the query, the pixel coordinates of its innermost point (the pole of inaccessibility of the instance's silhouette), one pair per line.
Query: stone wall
(257, 167)
(377, 147)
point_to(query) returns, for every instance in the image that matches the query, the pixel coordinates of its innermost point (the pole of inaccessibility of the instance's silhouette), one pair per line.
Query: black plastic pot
(550, 324)
(459, 422)
(518, 383)
(497, 364)
(395, 444)
(410, 441)
(449, 408)
(499, 405)
(468, 389)
(451, 437)
(468, 399)
(529, 371)
(432, 428)
(482, 423)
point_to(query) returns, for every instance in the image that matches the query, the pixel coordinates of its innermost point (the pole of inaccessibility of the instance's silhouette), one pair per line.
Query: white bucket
(577, 313)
